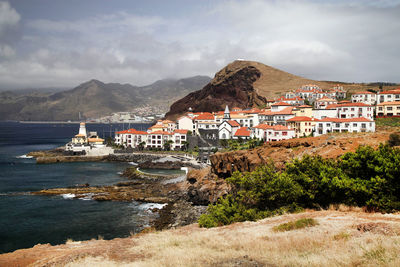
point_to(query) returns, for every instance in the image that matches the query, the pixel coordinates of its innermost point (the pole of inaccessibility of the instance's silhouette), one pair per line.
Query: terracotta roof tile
(243, 131)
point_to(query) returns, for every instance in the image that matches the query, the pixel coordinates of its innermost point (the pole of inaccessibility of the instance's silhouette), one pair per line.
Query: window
(363, 125)
(389, 108)
(337, 125)
(347, 125)
(354, 124)
(284, 133)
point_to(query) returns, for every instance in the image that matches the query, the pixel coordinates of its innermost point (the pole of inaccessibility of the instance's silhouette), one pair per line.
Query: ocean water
(26, 220)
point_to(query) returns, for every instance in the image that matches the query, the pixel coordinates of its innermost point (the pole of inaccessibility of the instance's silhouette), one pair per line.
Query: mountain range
(94, 99)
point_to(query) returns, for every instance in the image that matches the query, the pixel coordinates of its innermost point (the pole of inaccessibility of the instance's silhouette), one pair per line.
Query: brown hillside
(247, 84)
(343, 237)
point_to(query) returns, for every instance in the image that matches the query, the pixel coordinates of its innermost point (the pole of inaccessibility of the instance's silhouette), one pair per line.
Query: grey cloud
(320, 40)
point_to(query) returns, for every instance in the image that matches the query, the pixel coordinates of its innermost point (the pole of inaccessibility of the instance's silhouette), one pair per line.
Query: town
(306, 111)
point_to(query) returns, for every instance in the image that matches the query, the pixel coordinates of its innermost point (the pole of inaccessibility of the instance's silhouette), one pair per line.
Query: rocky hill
(247, 84)
(94, 99)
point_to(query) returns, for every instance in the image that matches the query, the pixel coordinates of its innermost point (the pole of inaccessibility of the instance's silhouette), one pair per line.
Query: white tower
(227, 114)
(82, 129)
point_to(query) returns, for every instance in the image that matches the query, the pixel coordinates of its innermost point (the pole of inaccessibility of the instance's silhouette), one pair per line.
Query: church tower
(227, 114)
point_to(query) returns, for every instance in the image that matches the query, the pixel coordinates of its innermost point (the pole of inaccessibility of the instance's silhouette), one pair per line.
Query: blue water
(26, 220)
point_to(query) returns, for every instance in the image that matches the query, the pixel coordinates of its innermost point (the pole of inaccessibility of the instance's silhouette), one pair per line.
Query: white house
(295, 100)
(388, 96)
(365, 97)
(227, 129)
(322, 103)
(130, 138)
(186, 123)
(278, 133)
(324, 113)
(353, 110)
(388, 109)
(279, 106)
(276, 117)
(206, 121)
(329, 125)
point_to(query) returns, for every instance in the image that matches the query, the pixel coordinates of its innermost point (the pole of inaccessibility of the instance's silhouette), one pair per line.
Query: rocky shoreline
(179, 211)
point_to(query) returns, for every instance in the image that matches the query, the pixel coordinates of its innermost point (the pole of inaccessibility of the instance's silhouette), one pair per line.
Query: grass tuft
(299, 224)
(342, 236)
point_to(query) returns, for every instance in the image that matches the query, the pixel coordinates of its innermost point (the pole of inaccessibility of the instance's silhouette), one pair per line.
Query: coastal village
(307, 111)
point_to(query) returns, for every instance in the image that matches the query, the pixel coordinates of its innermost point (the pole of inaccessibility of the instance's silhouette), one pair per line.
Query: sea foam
(68, 196)
(24, 157)
(150, 206)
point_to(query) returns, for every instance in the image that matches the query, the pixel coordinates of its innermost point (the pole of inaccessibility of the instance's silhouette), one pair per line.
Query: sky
(56, 43)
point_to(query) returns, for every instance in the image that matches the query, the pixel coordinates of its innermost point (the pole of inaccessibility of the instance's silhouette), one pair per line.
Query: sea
(27, 220)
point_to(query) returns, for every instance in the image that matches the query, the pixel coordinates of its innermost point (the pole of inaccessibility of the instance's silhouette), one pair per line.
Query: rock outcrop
(231, 86)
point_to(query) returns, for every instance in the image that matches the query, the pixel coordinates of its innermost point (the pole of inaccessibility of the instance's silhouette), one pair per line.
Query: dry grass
(335, 241)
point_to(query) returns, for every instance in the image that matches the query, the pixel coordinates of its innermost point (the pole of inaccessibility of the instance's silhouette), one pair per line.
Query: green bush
(366, 177)
(394, 139)
(299, 224)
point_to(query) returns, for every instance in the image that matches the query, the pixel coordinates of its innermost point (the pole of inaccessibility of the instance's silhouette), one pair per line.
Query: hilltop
(93, 99)
(247, 84)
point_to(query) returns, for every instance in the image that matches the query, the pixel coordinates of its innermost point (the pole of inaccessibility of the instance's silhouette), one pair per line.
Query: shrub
(299, 224)
(366, 177)
(394, 139)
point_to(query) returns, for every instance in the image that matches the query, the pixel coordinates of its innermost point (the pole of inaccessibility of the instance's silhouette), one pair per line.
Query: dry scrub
(342, 238)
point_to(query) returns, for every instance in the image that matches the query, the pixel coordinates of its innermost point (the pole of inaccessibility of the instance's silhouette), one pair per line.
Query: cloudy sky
(55, 43)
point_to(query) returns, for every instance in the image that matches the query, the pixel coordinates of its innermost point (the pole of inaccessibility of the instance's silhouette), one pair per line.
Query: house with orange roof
(388, 96)
(388, 109)
(259, 131)
(278, 133)
(303, 126)
(205, 121)
(163, 125)
(322, 103)
(353, 110)
(278, 106)
(242, 133)
(303, 110)
(130, 138)
(227, 129)
(133, 138)
(295, 100)
(277, 117)
(365, 97)
(329, 125)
